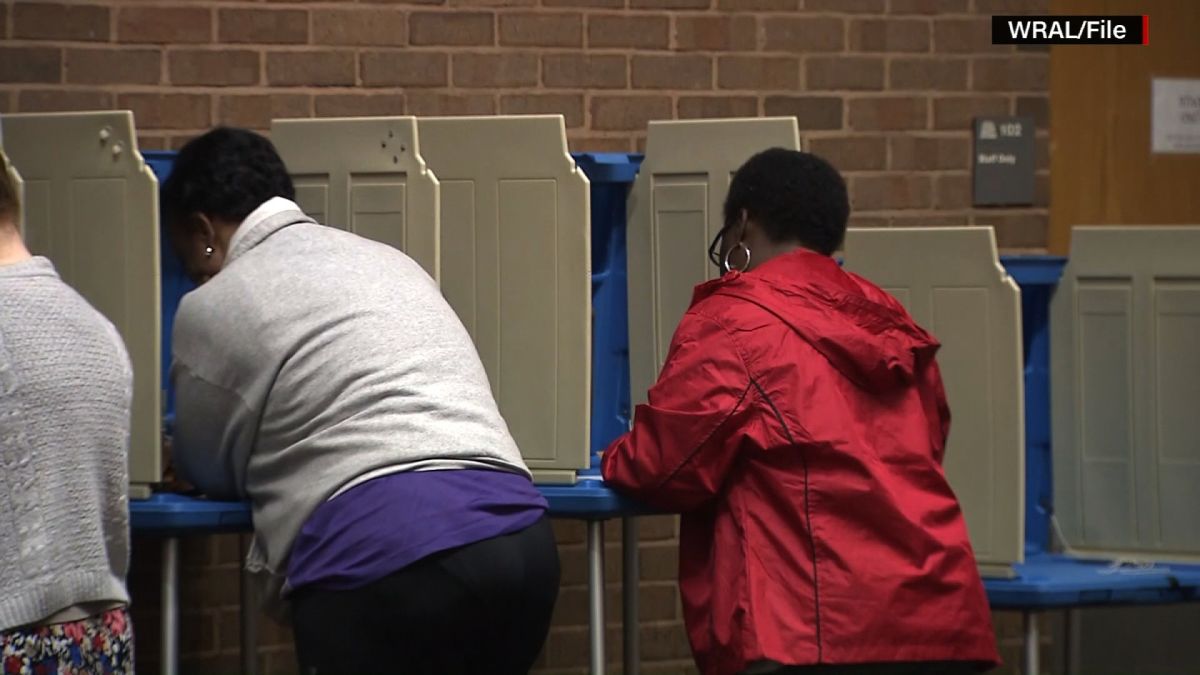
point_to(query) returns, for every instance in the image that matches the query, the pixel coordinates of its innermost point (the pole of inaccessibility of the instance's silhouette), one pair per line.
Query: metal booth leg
(170, 606)
(630, 580)
(595, 546)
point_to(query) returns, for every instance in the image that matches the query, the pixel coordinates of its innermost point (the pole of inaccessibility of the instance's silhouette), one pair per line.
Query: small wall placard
(1003, 157)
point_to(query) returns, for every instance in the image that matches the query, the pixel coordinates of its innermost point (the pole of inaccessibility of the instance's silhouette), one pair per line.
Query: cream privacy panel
(1125, 358)
(951, 281)
(675, 209)
(91, 206)
(515, 255)
(366, 175)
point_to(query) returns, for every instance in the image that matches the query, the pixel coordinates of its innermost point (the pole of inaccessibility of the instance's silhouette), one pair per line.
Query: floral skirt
(98, 645)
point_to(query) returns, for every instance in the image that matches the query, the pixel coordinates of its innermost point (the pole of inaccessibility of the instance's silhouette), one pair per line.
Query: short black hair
(794, 196)
(10, 199)
(225, 173)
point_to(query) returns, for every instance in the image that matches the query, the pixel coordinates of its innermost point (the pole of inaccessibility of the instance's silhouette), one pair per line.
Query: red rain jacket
(799, 424)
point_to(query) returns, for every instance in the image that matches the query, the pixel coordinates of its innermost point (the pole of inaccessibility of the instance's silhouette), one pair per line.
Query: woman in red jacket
(799, 424)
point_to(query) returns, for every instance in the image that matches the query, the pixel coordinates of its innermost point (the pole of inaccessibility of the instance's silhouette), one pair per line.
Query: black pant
(482, 608)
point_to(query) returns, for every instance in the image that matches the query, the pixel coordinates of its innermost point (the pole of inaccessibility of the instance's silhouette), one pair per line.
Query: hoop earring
(745, 265)
(208, 251)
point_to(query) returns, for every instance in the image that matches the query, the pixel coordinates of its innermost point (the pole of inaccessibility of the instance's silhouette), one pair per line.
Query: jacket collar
(270, 217)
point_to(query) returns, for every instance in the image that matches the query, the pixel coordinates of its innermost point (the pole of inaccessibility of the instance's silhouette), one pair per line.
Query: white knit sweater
(65, 391)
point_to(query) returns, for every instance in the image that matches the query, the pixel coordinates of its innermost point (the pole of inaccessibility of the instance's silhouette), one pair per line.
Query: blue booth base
(1055, 581)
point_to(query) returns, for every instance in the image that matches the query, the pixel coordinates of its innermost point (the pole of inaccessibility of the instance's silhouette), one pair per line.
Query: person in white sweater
(65, 390)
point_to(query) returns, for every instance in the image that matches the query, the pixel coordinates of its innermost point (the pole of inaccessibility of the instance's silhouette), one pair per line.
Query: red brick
(405, 69)
(1037, 107)
(670, 4)
(488, 3)
(891, 191)
(848, 6)
(657, 602)
(888, 113)
(940, 74)
(758, 73)
(168, 111)
(852, 153)
(230, 549)
(1021, 231)
(30, 64)
(929, 6)
(263, 26)
(659, 528)
(659, 562)
(226, 67)
(358, 105)
(700, 107)
(584, 71)
(610, 4)
(635, 32)
(716, 33)
(565, 645)
(495, 70)
(1017, 73)
(805, 34)
(257, 110)
(663, 641)
(858, 220)
(55, 100)
(930, 152)
(812, 112)
(541, 30)
(314, 69)
(958, 112)
(952, 192)
(628, 113)
(672, 72)
(52, 21)
(578, 143)
(451, 29)
(114, 66)
(889, 35)
(759, 5)
(929, 220)
(428, 104)
(570, 106)
(377, 27)
(963, 36)
(164, 25)
(1012, 6)
(844, 73)
(147, 142)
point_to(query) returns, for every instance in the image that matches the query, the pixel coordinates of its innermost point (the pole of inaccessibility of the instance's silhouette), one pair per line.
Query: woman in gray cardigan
(65, 393)
(323, 377)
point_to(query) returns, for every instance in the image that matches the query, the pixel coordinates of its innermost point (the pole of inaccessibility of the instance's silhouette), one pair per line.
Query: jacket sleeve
(214, 433)
(686, 436)
(938, 409)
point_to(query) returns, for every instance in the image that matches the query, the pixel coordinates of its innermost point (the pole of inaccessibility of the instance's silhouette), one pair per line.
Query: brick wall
(884, 88)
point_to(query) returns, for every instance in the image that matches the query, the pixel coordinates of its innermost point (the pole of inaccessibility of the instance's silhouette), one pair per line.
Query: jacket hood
(864, 332)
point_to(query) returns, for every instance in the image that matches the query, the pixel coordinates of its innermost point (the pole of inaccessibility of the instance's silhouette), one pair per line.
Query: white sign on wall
(1175, 118)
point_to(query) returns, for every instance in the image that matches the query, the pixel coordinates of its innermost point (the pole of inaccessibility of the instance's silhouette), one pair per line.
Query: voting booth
(90, 205)
(952, 283)
(365, 175)
(675, 211)
(1125, 381)
(498, 212)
